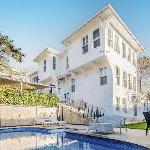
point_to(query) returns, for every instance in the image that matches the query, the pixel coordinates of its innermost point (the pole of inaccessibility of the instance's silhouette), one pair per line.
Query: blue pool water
(58, 139)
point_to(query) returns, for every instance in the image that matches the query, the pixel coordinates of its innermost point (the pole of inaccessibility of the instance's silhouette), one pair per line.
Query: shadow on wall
(17, 122)
(23, 115)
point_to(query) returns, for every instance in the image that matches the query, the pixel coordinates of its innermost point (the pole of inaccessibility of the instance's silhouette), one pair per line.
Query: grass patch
(140, 125)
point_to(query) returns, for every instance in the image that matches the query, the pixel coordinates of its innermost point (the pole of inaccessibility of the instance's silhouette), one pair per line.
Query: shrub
(10, 97)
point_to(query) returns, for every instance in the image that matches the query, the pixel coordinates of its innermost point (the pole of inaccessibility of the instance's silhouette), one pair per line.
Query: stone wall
(22, 115)
(73, 116)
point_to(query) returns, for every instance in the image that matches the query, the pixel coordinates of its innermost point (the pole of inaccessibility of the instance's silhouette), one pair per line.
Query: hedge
(10, 97)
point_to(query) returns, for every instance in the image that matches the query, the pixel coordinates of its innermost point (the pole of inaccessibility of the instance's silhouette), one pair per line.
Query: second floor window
(134, 83)
(96, 38)
(123, 50)
(110, 38)
(116, 47)
(129, 54)
(124, 103)
(67, 63)
(72, 85)
(103, 76)
(124, 79)
(44, 68)
(134, 61)
(129, 81)
(59, 87)
(118, 103)
(117, 75)
(85, 44)
(54, 63)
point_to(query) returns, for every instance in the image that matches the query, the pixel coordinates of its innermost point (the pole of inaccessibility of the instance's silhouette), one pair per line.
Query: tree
(143, 69)
(7, 48)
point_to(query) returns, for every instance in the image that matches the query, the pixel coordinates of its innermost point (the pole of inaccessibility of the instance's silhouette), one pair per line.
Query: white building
(98, 65)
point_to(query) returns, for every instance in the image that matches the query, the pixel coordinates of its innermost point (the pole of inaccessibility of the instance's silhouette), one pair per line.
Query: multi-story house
(98, 65)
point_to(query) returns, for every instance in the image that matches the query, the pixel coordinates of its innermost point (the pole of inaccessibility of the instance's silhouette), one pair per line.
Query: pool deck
(132, 135)
(135, 136)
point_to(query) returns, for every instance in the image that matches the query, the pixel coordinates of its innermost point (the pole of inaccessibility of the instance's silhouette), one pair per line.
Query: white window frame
(116, 44)
(54, 63)
(44, 67)
(124, 50)
(103, 76)
(134, 60)
(85, 44)
(125, 79)
(129, 54)
(117, 70)
(118, 103)
(124, 105)
(129, 81)
(134, 83)
(97, 38)
(73, 85)
(67, 62)
(110, 37)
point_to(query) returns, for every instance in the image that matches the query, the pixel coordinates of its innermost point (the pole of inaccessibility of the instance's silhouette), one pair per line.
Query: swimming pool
(57, 139)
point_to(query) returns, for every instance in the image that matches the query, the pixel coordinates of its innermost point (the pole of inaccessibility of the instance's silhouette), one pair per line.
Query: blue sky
(36, 24)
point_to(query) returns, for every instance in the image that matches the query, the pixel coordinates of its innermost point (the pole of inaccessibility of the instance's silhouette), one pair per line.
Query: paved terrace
(132, 135)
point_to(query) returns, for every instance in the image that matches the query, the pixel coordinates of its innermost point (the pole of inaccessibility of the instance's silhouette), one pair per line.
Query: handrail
(124, 121)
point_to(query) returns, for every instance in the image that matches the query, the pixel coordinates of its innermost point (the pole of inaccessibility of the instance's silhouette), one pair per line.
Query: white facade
(97, 66)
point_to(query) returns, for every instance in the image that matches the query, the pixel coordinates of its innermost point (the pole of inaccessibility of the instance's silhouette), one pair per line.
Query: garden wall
(12, 115)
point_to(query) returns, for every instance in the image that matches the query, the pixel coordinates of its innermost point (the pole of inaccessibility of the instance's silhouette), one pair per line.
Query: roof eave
(141, 47)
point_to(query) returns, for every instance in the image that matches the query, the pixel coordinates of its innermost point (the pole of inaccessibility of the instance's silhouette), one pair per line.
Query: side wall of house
(116, 60)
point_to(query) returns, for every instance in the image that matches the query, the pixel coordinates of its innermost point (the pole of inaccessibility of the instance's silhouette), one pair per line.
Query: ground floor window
(124, 104)
(51, 90)
(72, 85)
(103, 76)
(117, 103)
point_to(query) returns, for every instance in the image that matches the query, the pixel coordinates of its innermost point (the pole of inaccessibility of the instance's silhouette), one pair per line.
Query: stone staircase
(74, 116)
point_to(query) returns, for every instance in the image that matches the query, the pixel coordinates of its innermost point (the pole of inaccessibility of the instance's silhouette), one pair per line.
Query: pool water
(58, 139)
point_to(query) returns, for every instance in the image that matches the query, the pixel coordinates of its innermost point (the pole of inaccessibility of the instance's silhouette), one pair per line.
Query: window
(134, 62)
(118, 75)
(110, 38)
(96, 38)
(134, 83)
(129, 54)
(44, 66)
(54, 63)
(51, 90)
(129, 81)
(59, 87)
(124, 104)
(123, 50)
(72, 85)
(36, 79)
(67, 63)
(85, 45)
(116, 47)
(124, 79)
(103, 76)
(118, 103)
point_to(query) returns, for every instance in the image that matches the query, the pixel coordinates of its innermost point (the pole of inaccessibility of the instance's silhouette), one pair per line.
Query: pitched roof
(106, 11)
(45, 52)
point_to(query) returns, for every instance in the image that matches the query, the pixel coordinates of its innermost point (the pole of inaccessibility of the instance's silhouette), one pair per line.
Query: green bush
(10, 97)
